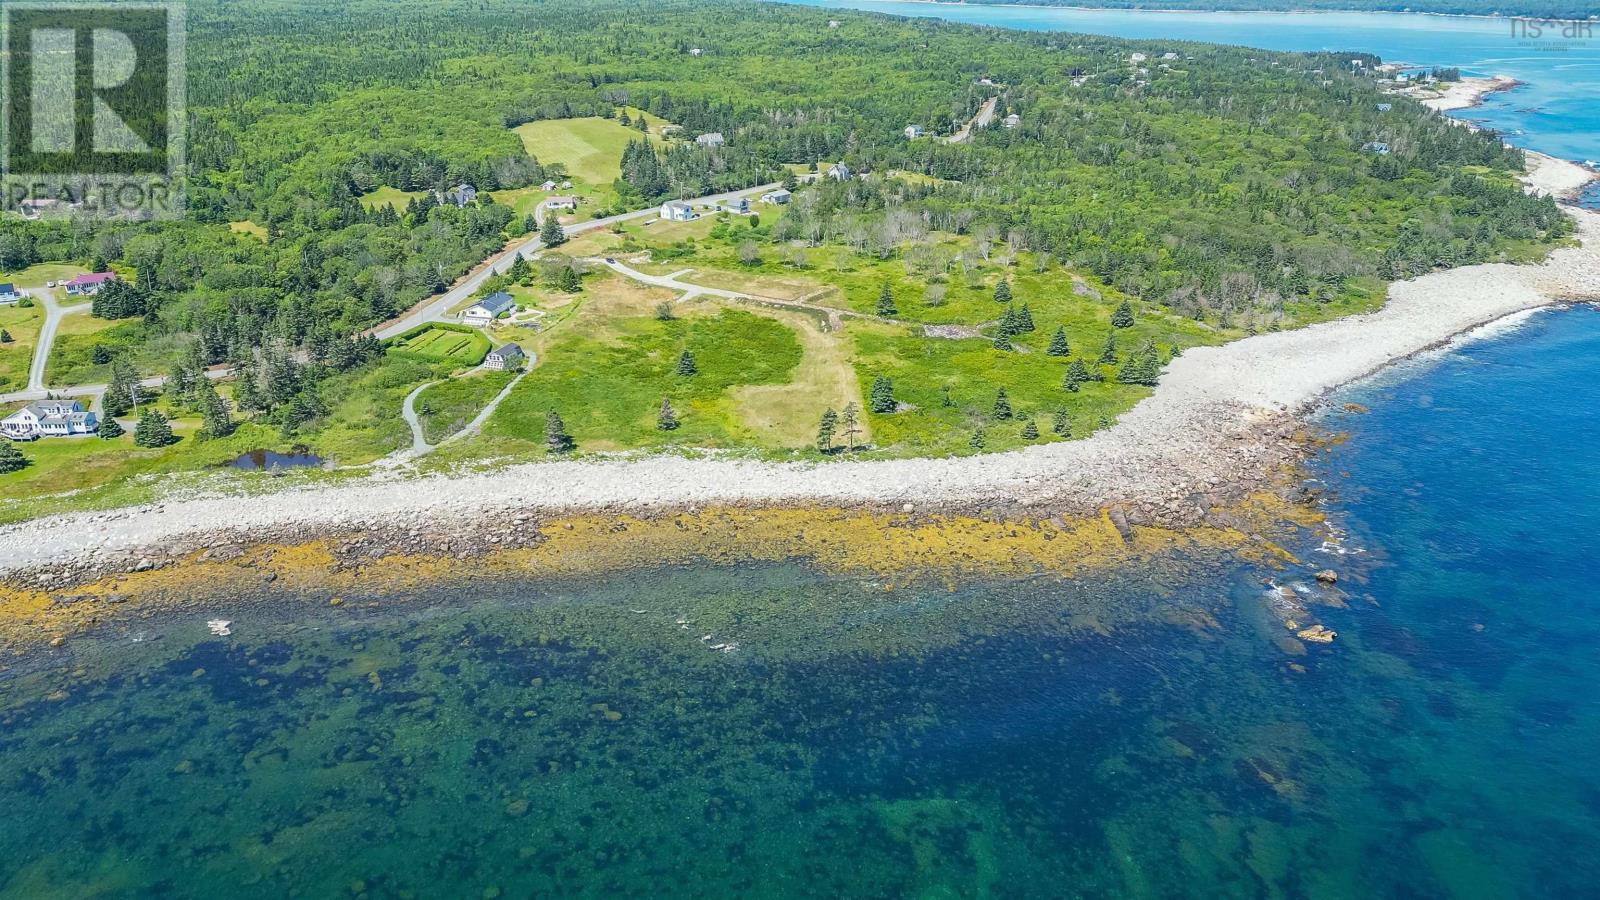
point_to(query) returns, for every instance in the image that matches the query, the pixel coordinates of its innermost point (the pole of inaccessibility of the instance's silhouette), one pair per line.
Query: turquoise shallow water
(1150, 733)
(1556, 110)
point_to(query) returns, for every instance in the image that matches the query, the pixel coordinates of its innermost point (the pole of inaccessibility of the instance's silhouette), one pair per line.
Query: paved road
(438, 308)
(53, 315)
(981, 120)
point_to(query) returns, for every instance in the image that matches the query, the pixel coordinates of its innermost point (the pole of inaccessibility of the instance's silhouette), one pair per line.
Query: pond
(263, 460)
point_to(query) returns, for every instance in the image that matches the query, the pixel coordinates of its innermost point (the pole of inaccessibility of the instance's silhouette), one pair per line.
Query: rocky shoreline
(1226, 423)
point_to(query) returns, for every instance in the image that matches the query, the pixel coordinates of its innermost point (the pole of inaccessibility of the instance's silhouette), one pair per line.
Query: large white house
(9, 294)
(561, 202)
(676, 211)
(488, 309)
(49, 418)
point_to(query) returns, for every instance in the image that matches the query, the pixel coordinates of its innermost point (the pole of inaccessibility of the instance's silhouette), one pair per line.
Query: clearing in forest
(590, 149)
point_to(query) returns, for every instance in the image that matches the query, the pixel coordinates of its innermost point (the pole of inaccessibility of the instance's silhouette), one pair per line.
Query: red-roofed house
(89, 284)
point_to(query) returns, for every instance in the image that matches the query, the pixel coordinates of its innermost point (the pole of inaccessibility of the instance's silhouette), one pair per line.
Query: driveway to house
(981, 120)
(419, 442)
(53, 314)
(438, 308)
(690, 290)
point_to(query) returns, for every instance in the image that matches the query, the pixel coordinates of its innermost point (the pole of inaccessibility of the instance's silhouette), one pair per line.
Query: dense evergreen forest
(1537, 9)
(1212, 179)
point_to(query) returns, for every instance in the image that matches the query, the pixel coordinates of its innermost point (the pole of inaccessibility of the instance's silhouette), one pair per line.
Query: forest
(1223, 184)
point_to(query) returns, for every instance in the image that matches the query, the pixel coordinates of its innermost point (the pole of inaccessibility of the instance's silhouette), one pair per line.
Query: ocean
(775, 729)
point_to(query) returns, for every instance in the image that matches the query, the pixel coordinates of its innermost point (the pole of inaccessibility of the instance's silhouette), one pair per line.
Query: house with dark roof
(509, 356)
(488, 309)
(9, 294)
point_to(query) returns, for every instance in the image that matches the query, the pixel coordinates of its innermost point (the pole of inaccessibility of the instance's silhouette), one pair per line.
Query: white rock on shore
(1211, 422)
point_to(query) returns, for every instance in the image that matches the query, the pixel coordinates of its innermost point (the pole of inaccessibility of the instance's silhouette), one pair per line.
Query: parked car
(49, 284)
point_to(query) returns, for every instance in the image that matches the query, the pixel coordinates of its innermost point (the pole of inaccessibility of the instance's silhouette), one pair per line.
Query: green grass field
(388, 196)
(15, 357)
(35, 276)
(446, 408)
(465, 347)
(590, 149)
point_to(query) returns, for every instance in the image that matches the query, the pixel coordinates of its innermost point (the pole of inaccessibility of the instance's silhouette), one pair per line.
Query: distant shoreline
(1243, 12)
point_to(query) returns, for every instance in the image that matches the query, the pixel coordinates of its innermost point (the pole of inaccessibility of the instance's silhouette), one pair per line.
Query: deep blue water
(1556, 111)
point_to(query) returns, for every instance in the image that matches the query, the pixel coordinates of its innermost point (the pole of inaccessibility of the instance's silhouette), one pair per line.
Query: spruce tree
(1062, 424)
(1002, 405)
(1002, 291)
(569, 281)
(1030, 431)
(666, 419)
(5, 337)
(1175, 352)
(664, 312)
(851, 420)
(100, 355)
(1123, 317)
(977, 441)
(686, 364)
(830, 421)
(1024, 319)
(1010, 326)
(153, 430)
(11, 459)
(556, 439)
(945, 400)
(1077, 374)
(123, 390)
(1108, 353)
(110, 429)
(1001, 342)
(886, 307)
(1104, 422)
(216, 419)
(881, 399)
(551, 234)
(1058, 343)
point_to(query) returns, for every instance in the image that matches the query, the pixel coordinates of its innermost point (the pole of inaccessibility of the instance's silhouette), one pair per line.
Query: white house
(1137, 58)
(737, 205)
(1385, 107)
(839, 172)
(547, 186)
(488, 309)
(88, 285)
(696, 52)
(1011, 121)
(567, 203)
(1169, 55)
(509, 356)
(913, 132)
(9, 294)
(777, 197)
(711, 139)
(676, 211)
(49, 418)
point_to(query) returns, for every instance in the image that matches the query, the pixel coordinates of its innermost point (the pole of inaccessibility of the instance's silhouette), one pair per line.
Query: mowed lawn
(590, 148)
(16, 356)
(388, 196)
